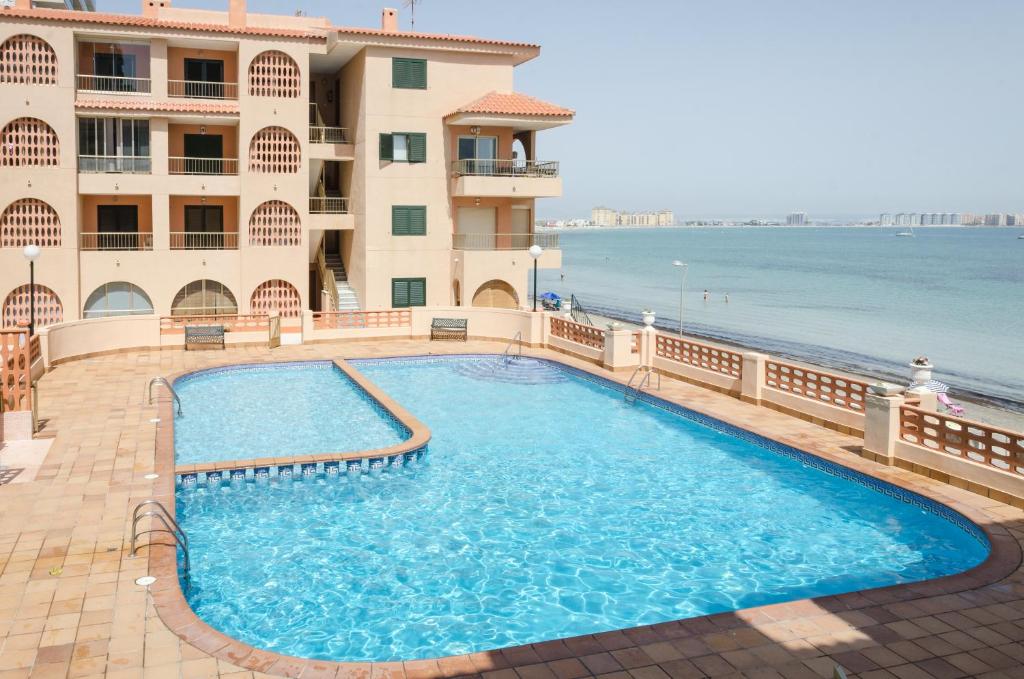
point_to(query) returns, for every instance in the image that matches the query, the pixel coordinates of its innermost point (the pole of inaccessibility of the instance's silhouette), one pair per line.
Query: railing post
(618, 350)
(648, 346)
(307, 324)
(752, 377)
(881, 426)
(928, 399)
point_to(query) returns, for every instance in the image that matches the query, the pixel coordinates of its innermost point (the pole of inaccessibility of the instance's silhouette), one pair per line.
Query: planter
(919, 374)
(648, 317)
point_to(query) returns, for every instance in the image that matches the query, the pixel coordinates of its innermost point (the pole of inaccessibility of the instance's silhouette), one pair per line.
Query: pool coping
(173, 609)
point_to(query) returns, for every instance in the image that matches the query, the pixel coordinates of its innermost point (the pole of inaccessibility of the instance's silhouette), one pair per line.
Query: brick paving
(69, 606)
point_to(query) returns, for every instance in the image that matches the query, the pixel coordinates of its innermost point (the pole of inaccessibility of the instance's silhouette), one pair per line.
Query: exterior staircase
(347, 299)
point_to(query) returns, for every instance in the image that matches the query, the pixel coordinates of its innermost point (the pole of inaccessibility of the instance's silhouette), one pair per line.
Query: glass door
(204, 78)
(204, 227)
(115, 223)
(204, 154)
(478, 155)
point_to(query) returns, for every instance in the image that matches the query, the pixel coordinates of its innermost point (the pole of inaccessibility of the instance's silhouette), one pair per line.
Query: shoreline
(573, 229)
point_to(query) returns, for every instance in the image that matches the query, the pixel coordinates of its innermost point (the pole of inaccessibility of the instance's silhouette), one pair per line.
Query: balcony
(115, 241)
(112, 84)
(322, 134)
(201, 89)
(202, 166)
(328, 205)
(503, 241)
(485, 177)
(199, 240)
(115, 164)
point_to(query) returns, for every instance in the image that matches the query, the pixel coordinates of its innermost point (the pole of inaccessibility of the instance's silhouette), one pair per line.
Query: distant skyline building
(603, 216)
(796, 219)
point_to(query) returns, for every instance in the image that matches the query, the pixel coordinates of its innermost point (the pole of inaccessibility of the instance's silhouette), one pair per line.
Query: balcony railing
(177, 165)
(321, 134)
(503, 241)
(203, 240)
(115, 164)
(111, 83)
(483, 167)
(115, 241)
(201, 89)
(328, 205)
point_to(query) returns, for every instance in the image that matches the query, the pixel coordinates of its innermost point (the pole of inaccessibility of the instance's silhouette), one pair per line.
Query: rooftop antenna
(411, 4)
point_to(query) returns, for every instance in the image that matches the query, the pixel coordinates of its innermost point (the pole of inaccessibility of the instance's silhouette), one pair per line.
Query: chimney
(151, 8)
(389, 20)
(21, 4)
(236, 13)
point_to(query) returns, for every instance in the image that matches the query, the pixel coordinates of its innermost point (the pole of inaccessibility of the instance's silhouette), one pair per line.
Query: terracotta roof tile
(180, 106)
(355, 30)
(513, 104)
(150, 22)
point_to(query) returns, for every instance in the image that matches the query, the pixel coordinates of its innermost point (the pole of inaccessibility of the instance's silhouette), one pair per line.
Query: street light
(31, 253)
(535, 251)
(682, 286)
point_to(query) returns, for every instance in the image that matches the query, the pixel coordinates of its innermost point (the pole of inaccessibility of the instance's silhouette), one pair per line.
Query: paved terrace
(69, 606)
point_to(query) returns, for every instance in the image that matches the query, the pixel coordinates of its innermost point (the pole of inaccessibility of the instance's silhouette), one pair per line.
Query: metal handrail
(328, 205)
(500, 167)
(578, 313)
(204, 166)
(503, 241)
(171, 528)
(92, 164)
(204, 240)
(507, 355)
(327, 134)
(164, 382)
(202, 89)
(633, 393)
(88, 82)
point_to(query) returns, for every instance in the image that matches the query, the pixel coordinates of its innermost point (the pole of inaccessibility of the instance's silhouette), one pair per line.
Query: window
(113, 145)
(409, 74)
(118, 227)
(477, 155)
(406, 292)
(404, 147)
(204, 227)
(114, 72)
(204, 78)
(408, 220)
(204, 298)
(117, 299)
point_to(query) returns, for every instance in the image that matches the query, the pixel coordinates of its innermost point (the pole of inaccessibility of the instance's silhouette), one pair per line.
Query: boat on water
(906, 234)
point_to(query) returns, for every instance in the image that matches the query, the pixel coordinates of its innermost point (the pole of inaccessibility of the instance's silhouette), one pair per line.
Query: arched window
(496, 293)
(28, 141)
(29, 221)
(275, 223)
(204, 298)
(276, 295)
(117, 299)
(48, 309)
(27, 60)
(274, 150)
(274, 74)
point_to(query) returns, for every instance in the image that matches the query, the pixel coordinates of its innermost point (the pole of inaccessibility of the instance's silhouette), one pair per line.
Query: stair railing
(327, 276)
(579, 314)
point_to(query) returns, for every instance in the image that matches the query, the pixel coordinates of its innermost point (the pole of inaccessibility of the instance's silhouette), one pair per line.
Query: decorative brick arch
(274, 74)
(276, 295)
(275, 223)
(28, 141)
(27, 60)
(29, 221)
(49, 310)
(274, 150)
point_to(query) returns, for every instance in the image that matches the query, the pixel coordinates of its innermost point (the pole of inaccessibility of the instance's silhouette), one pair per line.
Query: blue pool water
(547, 507)
(276, 410)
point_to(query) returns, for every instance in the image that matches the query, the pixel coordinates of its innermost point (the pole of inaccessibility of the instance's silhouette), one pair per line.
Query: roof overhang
(518, 123)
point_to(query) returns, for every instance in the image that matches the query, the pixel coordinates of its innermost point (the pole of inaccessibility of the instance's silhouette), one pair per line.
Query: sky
(756, 107)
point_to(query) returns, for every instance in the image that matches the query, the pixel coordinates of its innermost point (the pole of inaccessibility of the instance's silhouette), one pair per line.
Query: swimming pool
(547, 507)
(274, 410)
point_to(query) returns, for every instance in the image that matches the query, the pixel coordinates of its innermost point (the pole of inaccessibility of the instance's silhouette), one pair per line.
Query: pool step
(514, 371)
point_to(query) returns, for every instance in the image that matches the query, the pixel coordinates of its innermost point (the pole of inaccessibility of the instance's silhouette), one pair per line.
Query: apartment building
(187, 161)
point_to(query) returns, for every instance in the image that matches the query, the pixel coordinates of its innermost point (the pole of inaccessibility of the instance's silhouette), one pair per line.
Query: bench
(201, 335)
(448, 329)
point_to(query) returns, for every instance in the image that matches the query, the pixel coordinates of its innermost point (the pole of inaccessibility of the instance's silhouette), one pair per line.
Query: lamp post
(682, 286)
(535, 251)
(31, 253)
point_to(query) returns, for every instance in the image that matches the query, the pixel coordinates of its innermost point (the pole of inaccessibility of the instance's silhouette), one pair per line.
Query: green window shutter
(387, 146)
(409, 73)
(417, 220)
(399, 220)
(417, 292)
(417, 147)
(399, 293)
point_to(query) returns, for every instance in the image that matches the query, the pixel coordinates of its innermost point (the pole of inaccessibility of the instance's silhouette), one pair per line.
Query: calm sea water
(859, 299)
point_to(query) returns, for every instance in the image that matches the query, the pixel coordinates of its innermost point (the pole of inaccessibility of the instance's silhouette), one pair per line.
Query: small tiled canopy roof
(183, 106)
(513, 104)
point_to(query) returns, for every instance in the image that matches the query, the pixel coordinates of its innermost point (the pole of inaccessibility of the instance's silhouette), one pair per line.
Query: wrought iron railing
(503, 241)
(578, 313)
(201, 89)
(505, 168)
(115, 164)
(328, 205)
(114, 240)
(204, 240)
(323, 134)
(210, 166)
(111, 83)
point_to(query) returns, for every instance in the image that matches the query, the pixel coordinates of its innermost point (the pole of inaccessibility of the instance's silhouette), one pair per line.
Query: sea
(859, 299)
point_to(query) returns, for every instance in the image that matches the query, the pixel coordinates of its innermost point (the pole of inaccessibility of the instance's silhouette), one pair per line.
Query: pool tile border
(170, 604)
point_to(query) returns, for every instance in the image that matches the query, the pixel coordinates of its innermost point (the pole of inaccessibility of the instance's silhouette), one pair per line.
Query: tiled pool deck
(69, 606)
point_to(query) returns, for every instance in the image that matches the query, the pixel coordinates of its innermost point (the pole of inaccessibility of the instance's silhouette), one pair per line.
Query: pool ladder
(170, 527)
(631, 393)
(163, 381)
(507, 355)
